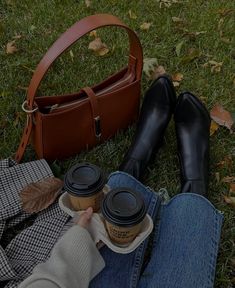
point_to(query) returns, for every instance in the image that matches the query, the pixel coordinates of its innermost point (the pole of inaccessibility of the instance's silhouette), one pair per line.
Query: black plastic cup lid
(84, 180)
(123, 207)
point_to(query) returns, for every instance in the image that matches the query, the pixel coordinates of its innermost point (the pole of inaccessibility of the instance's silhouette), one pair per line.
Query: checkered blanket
(33, 244)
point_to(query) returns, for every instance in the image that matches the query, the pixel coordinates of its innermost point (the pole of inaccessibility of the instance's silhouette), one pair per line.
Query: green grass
(41, 22)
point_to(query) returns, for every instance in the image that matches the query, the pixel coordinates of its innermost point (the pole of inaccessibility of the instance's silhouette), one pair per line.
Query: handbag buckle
(97, 127)
(27, 110)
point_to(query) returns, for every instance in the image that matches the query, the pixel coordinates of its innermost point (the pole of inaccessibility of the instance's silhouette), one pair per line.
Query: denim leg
(123, 270)
(185, 245)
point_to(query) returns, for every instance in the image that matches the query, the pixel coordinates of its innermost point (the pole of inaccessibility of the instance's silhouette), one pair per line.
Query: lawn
(184, 37)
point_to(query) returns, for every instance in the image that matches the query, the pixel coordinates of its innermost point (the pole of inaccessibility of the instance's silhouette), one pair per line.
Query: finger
(85, 217)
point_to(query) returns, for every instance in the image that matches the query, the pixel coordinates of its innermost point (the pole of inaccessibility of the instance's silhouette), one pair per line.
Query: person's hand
(84, 218)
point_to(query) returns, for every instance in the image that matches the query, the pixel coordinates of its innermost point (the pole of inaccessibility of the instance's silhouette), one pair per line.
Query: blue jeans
(181, 252)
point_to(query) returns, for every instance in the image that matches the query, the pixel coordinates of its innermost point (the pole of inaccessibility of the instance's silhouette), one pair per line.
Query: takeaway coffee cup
(123, 210)
(85, 184)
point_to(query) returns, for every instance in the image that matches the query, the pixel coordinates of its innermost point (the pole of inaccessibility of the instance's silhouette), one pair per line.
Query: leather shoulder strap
(73, 34)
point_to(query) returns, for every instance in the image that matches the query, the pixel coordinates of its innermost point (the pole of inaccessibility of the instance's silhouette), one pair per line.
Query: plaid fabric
(34, 244)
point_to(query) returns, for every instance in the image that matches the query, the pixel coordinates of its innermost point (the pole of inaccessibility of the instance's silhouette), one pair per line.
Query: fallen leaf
(177, 77)
(224, 12)
(227, 161)
(229, 179)
(193, 35)
(149, 66)
(167, 3)
(215, 66)
(232, 188)
(177, 20)
(213, 128)
(226, 40)
(32, 27)
(38, 196)
(88, 3)
(71, 55)
(229, 200)
(178, 48)
(222, 116)
(22, 88)
(157, 72)
(19, 117)
(217, 177)
(17, 37)
(11, 47)
(93, 33)
(176, 84)
(145, 26)
(192, 55)
(132, 15)
(98, 47)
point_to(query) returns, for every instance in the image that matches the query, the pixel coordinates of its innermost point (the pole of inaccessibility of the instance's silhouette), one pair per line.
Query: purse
(62, 126)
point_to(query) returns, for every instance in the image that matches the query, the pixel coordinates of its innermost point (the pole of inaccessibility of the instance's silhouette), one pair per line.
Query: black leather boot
(157, 108)
(192, 123)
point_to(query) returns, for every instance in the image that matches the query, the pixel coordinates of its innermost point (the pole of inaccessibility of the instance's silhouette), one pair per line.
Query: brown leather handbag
(61, 126)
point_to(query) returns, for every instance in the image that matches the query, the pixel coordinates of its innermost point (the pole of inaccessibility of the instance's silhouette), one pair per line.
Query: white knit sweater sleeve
(74, 261)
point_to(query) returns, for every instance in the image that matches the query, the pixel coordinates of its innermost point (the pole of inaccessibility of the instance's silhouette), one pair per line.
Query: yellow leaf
(229, 200)
(93, 33)
(11, 48)
(145, 26)
(88, 3)
(213, 128)
(177, 20)
(98, 47)
(132, 15)
(177, 77)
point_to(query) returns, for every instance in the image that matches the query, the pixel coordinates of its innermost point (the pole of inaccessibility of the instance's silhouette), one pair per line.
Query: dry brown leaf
(229, 200)
(11, 47)
(98, 47)
(227, 161)
(224, 12)
(229, 179)
(232, 188)
(17, 37)
(132, 15)
(145, 26)
(93, 33)
(157, 72)
(221, 116)
(217, 177)
(213, 128)
(38, 196)
(88, 3)
(177, 77)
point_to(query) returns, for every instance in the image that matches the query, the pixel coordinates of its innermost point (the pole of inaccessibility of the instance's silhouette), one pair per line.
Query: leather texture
(156, 111)
(107, 107)
(192, 124)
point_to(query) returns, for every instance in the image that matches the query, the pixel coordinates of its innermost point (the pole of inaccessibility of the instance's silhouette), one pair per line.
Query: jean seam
(212, 263)
(139, 259)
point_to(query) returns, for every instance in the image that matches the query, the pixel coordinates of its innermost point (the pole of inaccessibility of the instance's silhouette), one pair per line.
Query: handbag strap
(95, 111)
(68, 38)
